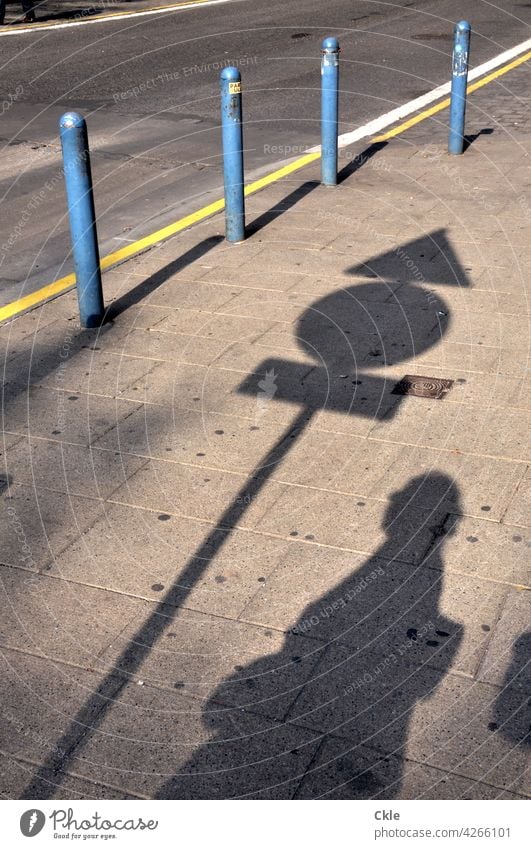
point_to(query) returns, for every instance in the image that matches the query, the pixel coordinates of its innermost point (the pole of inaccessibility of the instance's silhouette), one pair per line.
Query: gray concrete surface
(226, 583)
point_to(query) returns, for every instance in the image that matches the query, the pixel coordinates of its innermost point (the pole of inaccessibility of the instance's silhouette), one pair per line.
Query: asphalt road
(149, 89)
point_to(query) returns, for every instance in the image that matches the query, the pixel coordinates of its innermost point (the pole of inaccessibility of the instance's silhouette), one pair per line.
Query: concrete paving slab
(183, 490)
(51, 413)
(208, 657)
(361, 466)
(8, 440)
(487, 549)
(74, 469)
(206, 440)
(151, 551)
(212, 325)
(445, 721)
(191, 295)
(502, 433)
(173, 348)
(482, 487)
(459, 356)
(139, 316)
(273, 306)
(221, 753)
(99, 372)
(343, 770)
(339, 462)
(506, 661)
(248, 357)
(343, 521)
(234, 393)
(250, 279)
(40, 699)
(37, 526)
(337, 598)
(56, 618)
(519, 509)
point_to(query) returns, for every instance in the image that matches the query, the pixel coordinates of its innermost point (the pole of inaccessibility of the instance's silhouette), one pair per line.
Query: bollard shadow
(281, 207)
(298, 194)
(359, 160)
(144, 289)
(473, 137)
(38, 361)
(356, 661)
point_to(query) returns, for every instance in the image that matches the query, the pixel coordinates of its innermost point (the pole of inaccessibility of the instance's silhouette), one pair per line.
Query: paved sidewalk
(235, 562)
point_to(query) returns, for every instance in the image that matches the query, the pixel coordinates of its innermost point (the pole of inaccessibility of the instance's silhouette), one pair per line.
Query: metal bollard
(456, 138)
(329, 110)
(80, 200)
(232, 139)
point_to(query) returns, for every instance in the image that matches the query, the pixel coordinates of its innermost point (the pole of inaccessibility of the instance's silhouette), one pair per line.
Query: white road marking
(117, 16)
(395, 115)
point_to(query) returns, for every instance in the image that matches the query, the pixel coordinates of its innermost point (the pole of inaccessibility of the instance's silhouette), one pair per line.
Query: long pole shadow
(95, 709)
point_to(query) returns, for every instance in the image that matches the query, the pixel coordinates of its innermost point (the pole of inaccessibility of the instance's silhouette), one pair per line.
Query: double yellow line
(60, 286)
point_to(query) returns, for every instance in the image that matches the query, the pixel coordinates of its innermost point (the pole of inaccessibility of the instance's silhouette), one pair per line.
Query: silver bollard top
(330, 45)
(231, 75)
(71, 120)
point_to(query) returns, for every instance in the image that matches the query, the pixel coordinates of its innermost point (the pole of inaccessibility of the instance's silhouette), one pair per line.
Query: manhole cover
(422, 387)
(297, 35)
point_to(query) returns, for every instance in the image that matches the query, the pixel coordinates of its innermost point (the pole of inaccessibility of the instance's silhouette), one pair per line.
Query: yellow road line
(60, 286)
(445, 103)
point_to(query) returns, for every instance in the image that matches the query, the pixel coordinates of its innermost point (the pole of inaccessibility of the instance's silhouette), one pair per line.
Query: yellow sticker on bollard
(235, 88)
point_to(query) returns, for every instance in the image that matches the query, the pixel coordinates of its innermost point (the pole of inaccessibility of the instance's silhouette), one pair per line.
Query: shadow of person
(328, 714)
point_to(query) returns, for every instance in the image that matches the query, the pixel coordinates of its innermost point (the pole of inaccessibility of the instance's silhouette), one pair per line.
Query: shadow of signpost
(345, 335)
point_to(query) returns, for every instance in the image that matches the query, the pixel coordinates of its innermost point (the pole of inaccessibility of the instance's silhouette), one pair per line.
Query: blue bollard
(232, 140)
(456, 138)
(329, 110)
(80, 200)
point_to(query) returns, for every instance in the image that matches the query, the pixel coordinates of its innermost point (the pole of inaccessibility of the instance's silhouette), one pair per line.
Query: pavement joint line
(62, 285)
(145, 402)
(284, 538)
(111, 16)
(235, 473)
(101, 448)
(113, 591)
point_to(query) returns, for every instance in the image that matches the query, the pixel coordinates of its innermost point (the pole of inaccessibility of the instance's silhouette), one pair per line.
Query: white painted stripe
(115, 16)
(395, 115)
